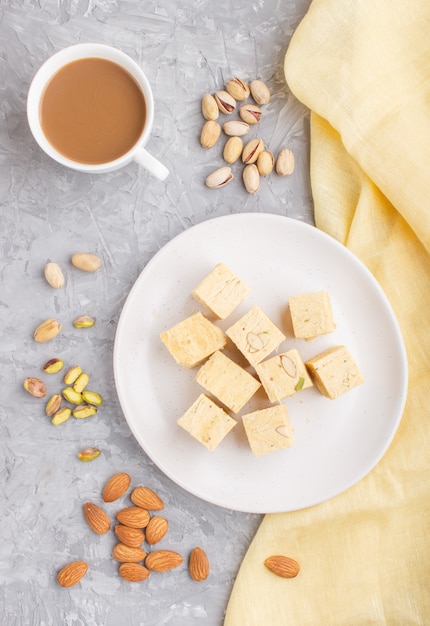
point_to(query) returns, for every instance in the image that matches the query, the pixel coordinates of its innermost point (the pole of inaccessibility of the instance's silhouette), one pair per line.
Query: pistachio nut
(226, 103)
(252, 150)
(210, 133)
(84, 410)
(53, 366)
(219, 178)
(81, 382)
(285, 162)
(53, 404)
(265, 162)
(92, 397)
(84, 321)
(238, 89)
(260, 92)
(72, 374)
(61, 416)
(251, 178)
(47, 330)
(72, 396)
(210, 110)
(235, 128)
(86, 261)
(250, 113)
(35, 387)
(233, 149)
(54, 275)
(89, 454)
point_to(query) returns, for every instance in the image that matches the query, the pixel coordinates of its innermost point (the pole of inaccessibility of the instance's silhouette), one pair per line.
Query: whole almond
(163, 560)
(232, 149)
(133, 572)
(146, 498)
(116, 487)
(96, 518)
(54, 275)
(47, 330)
(134, 517)
(282, 566)
(210, 110)
(86, 261)
(285, 162)
(35, 387)
(72, 573)
(132, 537)
(156, 529)
(125, 554)
(210, 134)
(198, 565)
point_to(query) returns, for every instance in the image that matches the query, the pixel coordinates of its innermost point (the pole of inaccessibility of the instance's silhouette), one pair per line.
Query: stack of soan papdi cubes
(197, 341)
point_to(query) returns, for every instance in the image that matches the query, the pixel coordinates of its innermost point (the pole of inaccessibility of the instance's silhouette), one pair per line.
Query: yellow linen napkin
(363, 68)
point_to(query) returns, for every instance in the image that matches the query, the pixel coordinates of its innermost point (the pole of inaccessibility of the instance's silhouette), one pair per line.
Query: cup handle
(150, 163)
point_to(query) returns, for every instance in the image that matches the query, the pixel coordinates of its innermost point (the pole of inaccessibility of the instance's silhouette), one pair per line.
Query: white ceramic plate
(336, 442)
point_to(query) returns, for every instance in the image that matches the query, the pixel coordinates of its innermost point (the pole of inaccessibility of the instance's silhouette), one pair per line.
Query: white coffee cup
(55, 63)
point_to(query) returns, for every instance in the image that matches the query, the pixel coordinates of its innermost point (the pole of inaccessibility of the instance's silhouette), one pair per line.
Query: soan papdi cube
(255, 335)
(221, 291)
(311, 314)
(334, 371)
(206, 422)
(194, 339)
(227, 381)
(283, 375)
(268, 430)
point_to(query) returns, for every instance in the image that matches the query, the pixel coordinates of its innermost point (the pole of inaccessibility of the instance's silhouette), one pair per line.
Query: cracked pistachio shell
(250, 113)
(210, 134)
(265, 162)
(226, 103)
(238, 89)
(285, 162)
(251, 151)
(210, 110)
(235, 128)
(219, 178)
(260, 92)
(251, 178)
(233, 149)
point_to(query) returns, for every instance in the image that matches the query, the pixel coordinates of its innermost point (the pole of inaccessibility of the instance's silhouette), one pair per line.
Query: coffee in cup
(90, 107)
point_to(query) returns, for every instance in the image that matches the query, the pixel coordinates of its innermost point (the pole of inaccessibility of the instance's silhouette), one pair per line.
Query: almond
(72, 573)
(133, 572)
(126, 554)
(116, 486)
(282, 566)
(134, 517)
(163, 560)
(198, 565)
(132, 537)
(96, 518)
(156, 529)
(146, 498)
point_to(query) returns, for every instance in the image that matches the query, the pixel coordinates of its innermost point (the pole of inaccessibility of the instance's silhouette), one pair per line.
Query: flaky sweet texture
(363, 69)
